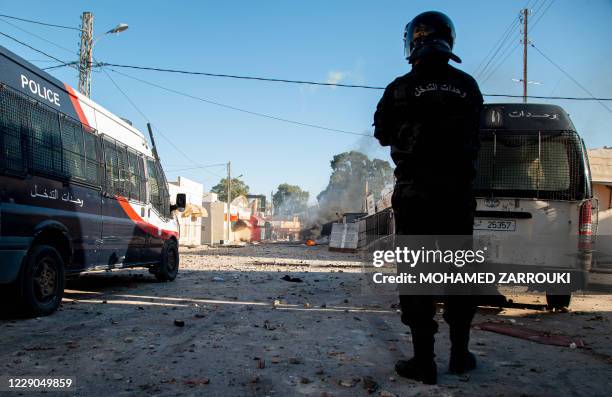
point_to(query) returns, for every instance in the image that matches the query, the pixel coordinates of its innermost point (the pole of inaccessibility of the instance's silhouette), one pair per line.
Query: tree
(345, 191)
(239, 188)
(290, 199)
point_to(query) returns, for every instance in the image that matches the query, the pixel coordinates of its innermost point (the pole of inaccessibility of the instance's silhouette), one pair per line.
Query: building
(190, 220)
(601, 176)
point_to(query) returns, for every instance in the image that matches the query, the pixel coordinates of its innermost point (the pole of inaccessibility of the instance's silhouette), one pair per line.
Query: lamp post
(86, 50)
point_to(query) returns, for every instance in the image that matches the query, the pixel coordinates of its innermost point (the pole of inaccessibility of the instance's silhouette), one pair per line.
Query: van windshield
(543, 165)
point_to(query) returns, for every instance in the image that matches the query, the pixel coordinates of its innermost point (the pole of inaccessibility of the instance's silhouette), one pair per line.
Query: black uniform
(430, 118)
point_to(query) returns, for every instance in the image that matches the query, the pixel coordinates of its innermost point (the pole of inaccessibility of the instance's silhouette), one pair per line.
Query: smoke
(352, 173)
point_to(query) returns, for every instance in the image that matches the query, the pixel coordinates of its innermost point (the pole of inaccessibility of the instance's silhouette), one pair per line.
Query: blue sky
(357, 42)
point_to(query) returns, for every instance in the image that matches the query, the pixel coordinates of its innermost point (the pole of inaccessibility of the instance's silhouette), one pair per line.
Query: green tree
(290, 199)
(345, 191)
(239, 188)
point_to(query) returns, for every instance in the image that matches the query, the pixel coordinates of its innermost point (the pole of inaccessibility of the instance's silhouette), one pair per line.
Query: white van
(533, 189)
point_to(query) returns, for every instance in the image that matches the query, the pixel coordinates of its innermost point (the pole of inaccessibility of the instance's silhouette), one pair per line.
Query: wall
(190, 227)
(603, 194)
(214, 225)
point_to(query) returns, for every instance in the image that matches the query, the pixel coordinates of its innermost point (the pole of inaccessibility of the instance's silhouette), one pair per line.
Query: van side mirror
(181, 202)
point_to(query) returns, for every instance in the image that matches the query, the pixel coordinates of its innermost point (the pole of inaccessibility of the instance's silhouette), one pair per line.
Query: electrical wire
(571, 78)
(39, 22)
(32, 48)
(146, 119)
(39, 37)
(481, 70)
(156, 69)
(258, 114)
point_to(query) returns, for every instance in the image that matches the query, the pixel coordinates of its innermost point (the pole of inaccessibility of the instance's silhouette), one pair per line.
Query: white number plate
(495, 224)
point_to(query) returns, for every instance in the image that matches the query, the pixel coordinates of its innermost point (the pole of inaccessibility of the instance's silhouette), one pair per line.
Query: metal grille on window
(13, 110)
(92, 167)
(542, 165)
(73, 149)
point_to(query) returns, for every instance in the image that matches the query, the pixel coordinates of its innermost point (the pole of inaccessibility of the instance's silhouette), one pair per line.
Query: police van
(533, 188)
(80, 189)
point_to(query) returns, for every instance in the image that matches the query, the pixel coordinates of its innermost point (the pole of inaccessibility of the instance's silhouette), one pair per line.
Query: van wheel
(558, 301)
(168, 268)
(42, 281)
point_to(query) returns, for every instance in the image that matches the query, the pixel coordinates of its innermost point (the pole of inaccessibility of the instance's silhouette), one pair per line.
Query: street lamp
(86, 52)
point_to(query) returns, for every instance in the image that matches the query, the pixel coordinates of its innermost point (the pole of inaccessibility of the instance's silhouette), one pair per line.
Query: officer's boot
(422, 366)
(461, 360)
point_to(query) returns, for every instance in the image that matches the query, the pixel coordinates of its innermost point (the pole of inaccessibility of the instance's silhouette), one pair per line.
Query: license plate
(495, 224)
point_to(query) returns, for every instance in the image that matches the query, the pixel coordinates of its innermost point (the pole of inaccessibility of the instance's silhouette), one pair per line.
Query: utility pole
(525, 13)
(229, 199)
(85, 53)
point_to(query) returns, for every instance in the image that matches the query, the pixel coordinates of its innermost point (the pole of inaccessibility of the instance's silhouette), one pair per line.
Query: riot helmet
(431, 32)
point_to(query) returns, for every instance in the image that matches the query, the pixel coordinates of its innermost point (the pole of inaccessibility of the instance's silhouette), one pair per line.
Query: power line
(572, 78)
(504, 53)
(232, 76)
(71, 64)
(39, 37)
(144, 116)
(32, 48)
(39, 22)
(496, 48)
(61, 65)
(264, 115)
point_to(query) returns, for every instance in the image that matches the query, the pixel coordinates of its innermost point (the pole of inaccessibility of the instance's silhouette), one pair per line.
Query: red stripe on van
(142, 224)
(77, 105)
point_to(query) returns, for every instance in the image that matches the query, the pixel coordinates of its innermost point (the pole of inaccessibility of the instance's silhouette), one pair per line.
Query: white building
(190, 221)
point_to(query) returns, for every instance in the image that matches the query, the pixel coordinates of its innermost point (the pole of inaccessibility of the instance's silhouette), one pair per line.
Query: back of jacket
(430, 118)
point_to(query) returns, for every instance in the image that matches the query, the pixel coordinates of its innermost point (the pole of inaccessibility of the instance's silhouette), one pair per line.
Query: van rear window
(543, 165)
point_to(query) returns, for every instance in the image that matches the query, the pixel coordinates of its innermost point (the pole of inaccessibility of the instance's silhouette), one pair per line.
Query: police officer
(430, 117)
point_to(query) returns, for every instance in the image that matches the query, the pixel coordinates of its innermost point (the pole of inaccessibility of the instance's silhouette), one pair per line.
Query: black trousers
(441, 213)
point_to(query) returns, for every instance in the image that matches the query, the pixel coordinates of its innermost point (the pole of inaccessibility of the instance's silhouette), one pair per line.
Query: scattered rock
(179, 323)
(294, 360)
(304, 380)
(385, 393)
(268, 326)
(195, 382)
(348, 382)
(217, 279)
(369, 384)
(287, 277)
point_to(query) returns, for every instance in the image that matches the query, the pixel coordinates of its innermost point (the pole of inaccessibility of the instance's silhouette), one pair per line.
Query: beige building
(601, 176)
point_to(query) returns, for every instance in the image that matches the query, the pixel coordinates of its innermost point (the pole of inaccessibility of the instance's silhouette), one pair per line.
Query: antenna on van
(153, 147)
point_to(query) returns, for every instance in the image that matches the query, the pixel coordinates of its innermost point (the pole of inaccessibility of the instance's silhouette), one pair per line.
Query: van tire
(42, 281)
(169, 264)
(558, 301)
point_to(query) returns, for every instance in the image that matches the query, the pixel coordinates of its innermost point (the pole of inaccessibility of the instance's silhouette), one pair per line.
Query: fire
(310, 242)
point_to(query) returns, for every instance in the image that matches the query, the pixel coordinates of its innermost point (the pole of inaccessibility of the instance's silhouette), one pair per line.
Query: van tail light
(585, 226)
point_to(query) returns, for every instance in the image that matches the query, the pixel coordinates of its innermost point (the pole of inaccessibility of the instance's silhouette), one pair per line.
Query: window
(530, 165)
(158, 188)
(73, 148)
(136, 177)
(49, 142)
(12, 123)
(112, 166)
(92, 167)
(45, 141)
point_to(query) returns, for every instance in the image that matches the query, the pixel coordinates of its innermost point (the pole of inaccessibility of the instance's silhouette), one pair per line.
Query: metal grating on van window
(539, 165)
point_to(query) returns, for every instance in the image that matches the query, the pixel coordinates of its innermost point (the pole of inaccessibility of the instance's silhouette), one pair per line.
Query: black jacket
(430, 118)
